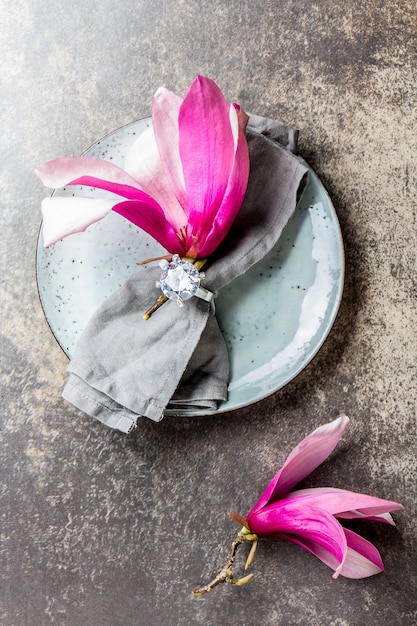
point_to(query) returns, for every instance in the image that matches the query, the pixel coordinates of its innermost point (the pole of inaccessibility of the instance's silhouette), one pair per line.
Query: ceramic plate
(274, 318)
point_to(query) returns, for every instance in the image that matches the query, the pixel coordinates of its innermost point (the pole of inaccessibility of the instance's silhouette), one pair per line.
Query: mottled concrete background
(102, 529)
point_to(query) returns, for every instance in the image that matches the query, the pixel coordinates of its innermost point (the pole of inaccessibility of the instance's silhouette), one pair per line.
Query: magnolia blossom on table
(183, 182)
(310, 517)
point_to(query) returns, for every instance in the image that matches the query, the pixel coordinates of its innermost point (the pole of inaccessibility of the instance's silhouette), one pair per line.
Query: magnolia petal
(151, 219)
(386, 518)
(144, 164)
(346, 504)
(206, 148)
(238, 123)
(65, 216)
(362, 559)
(304, 522)
(165, 112)
(79, 170)
(220, 223)
(308, 455)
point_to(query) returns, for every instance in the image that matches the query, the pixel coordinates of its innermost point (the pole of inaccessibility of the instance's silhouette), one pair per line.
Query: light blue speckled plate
(274, 318)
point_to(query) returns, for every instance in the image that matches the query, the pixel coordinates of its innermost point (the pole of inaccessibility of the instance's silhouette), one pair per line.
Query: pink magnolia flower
(184, 179)
(310, 517)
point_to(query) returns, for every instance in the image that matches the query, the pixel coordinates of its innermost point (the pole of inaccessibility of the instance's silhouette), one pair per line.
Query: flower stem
(226, 574)
(159, 302)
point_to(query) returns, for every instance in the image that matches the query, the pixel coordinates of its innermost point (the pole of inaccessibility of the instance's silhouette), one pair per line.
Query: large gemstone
(179, 280)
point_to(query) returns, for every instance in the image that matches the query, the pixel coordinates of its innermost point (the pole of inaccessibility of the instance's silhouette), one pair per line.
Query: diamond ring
(180, 281)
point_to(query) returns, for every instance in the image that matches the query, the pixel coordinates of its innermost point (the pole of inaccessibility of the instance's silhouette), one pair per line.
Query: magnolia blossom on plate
(310, 517)
(183, 182)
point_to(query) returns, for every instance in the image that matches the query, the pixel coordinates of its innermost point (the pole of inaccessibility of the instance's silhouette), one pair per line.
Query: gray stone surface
(102, 529)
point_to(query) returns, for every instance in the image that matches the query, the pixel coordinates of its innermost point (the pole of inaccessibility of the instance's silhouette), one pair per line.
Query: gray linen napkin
(125, 367)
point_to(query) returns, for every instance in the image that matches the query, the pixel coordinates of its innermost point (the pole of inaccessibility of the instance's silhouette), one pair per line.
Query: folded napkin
(124, 366)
